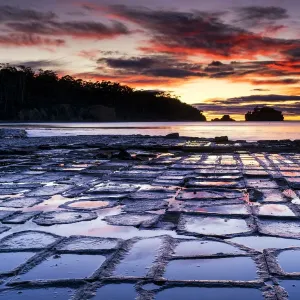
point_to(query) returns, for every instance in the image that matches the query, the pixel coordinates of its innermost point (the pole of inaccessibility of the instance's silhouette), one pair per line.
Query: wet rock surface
(149, 218)
(12, 133)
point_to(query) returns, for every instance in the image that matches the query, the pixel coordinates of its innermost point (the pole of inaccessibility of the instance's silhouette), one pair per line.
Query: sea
(250, 131)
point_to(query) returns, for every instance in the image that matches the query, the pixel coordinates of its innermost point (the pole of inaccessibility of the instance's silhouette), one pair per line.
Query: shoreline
(101, 210)
(251, 131)
(147, 142)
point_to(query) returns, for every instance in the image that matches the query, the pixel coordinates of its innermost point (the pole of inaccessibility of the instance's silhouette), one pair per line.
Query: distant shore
(249, 131)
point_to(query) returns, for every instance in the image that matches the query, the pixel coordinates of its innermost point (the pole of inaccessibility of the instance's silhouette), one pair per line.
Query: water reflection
(196, 293)
(251, 131)
(289, 261)
(234, 268)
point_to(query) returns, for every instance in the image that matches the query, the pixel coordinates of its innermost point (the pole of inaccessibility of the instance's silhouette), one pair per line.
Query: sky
(224, 57)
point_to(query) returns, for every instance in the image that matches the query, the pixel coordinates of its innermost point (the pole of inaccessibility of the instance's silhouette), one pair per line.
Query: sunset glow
(224, 57)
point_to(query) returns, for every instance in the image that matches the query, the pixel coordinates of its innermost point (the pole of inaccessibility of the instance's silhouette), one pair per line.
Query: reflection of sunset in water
(251, 131)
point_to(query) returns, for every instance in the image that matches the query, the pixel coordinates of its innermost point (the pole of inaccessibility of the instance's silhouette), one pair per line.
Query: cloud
(151, 66)
(257, 72)
(276, 82)
(288, 104)
(258, 16)
(28, 27)
(201, 33)
(291, 110)
(26, 40)
(217, 67)
(279, 73)
(255, 99)
(38, 64)
(261, 90)
(75, 29)
(11, 13)
(293, 54)
(131, 79)
(133, 63)
(93, 54)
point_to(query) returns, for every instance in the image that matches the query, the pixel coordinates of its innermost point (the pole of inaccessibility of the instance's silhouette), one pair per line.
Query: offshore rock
(173, 135)
(221, 139)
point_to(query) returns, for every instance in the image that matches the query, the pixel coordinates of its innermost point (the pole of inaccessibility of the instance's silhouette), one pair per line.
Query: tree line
(28, 95)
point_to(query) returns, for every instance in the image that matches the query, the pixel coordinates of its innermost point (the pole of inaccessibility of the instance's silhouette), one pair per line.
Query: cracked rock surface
(149, 218)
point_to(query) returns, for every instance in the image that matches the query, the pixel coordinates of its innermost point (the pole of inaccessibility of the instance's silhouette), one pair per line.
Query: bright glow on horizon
(217, 50)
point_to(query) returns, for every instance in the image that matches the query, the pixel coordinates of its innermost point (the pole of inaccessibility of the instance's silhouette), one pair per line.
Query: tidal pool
(265, 242)
(12, 260)
(196, 293)
(214, 225)
(194, 248)
(292, 287)
(233, 268)
(289, 261)
(122, 291)
(139, 259)
(65, 266)
(37, 294)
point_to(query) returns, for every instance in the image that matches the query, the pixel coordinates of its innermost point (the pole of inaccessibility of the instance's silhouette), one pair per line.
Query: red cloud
(239, 47)
(200, 33)
(289, 66)
(133, 80)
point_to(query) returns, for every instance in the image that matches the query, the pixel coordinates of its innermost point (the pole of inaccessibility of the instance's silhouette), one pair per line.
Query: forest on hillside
(28, 95)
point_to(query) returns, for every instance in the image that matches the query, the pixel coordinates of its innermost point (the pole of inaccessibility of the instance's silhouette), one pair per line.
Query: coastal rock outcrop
(221, 139)
(225, 118)
(173, 135)
(264, 114)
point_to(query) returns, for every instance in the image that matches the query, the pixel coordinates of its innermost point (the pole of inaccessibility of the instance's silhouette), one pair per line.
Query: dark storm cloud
(11, 13)
(203, 33)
